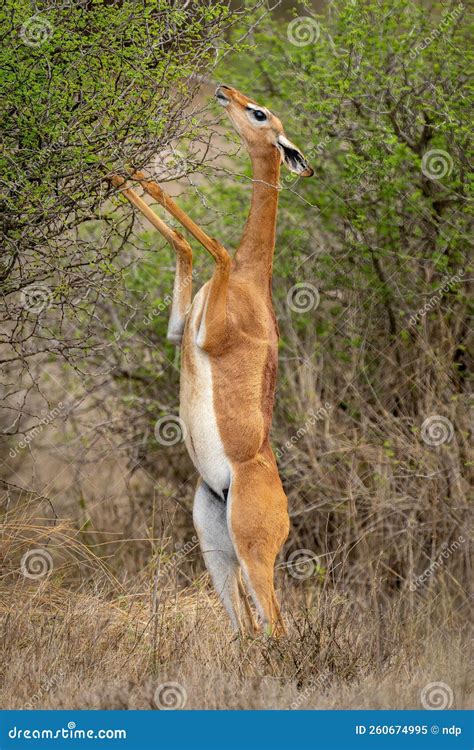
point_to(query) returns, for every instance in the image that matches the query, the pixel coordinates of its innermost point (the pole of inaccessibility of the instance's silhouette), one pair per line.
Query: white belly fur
(203, 440)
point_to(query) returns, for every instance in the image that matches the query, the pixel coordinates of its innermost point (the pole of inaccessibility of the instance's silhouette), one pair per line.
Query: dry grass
(108, 625)
(80, 638)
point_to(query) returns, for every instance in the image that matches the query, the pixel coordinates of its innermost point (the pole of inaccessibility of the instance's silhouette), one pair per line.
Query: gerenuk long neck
(254, 256)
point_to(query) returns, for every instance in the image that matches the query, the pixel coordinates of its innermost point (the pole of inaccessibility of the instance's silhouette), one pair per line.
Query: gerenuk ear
(293, 157)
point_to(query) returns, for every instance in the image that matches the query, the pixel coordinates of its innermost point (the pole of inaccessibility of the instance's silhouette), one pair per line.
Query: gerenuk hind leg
(258, 521)
(209, 516)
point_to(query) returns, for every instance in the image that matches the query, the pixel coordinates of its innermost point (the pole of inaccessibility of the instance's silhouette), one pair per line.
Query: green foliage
(89, 88)
(378, 98)
(375, 105)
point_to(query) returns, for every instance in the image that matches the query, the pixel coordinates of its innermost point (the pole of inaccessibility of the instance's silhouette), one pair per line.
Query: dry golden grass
(78, 637)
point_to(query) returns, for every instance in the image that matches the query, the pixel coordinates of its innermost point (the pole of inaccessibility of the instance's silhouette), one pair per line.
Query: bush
(89, 88)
